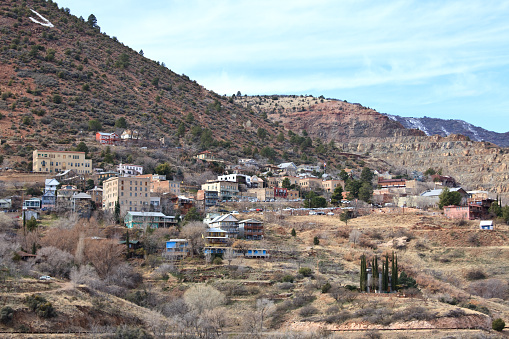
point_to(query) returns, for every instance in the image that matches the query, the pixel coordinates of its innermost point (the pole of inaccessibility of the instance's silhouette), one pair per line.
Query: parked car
(45, 277)
(312, 213)
(320, 213)
(330, 213)
(234, 212)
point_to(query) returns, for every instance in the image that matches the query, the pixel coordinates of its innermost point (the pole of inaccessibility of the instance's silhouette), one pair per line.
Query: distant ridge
(445, 127)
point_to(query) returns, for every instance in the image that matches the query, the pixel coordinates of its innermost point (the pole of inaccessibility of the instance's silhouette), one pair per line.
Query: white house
(129, 170)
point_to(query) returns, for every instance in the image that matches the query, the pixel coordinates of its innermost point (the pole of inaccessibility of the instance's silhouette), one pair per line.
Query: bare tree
(7, 223)
(82, 275)
(194, 232)
(157, 323)
(208, 257)
(264, 307)
(55, 261)
(203, 297)
(354, 236)
(229, 255)
(104, 255)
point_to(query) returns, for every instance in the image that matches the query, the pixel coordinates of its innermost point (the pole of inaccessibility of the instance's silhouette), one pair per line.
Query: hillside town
(134, 199)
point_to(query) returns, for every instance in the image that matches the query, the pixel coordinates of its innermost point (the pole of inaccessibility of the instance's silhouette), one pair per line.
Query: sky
(442, 59)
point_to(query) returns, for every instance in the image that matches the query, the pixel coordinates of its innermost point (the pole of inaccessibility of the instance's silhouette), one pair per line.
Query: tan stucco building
(59, 161)
(132, 193)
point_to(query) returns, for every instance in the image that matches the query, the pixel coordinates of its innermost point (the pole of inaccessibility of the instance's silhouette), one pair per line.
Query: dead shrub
(489, 288)
(343, 233)
(285, 286)
(307, 311)
(365, 242)
(456, 313)
(475, 274)
(413, 313)
(473, 239)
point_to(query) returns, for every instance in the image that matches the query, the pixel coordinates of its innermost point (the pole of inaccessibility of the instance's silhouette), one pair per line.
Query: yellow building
(132, 193)
(59, 161)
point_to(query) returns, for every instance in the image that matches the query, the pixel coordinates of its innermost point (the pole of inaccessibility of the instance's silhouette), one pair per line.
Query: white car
(45, 277)
(312, 213)
(330, 213)
(235, 212)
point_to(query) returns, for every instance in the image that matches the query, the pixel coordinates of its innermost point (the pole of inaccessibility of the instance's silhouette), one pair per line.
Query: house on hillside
(126, 170)
(107, 138)
(216, 241)
(228, 223)
(251, 229)
(148, 219)
(81, 204)
(128, 135)
(177, 248)
(5, 204)
(49, 198)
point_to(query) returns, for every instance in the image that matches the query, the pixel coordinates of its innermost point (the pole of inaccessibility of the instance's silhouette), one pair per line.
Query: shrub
(57, 99)
(285, 285)
(288, 278)
(6, 314)
(306, 311)
(456, 313)
(305, 271)
(498, 324)
(217, 261)
(40, 306)
(475, 274)
(326, 287)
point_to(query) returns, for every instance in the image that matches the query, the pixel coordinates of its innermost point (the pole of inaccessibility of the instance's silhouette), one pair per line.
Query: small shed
(486, 225)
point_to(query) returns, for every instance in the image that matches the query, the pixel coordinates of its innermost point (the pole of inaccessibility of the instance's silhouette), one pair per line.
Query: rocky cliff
(476, 165)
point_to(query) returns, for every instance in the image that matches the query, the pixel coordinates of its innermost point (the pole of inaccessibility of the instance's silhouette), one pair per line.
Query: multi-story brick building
(132, 193)
(59, 161)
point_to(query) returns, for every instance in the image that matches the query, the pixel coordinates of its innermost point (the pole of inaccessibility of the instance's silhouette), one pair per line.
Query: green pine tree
(363, 277)
(394, 273)
(374, 272)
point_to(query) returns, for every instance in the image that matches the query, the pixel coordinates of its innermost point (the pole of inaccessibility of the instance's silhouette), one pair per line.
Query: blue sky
(443, 59)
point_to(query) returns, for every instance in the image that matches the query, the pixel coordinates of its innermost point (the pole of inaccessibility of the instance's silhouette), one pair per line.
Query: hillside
(445, 127)
(325, 118)
(54, 80)
(460, 288)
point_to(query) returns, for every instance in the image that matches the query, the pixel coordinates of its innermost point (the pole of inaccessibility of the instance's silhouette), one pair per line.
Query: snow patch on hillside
(474, 132)
(445, 131)
(416, 123)
(46, 22)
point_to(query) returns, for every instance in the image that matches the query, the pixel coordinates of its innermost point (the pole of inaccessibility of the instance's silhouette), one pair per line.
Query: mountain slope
(445, 127)
(325, 118)
(54, 80)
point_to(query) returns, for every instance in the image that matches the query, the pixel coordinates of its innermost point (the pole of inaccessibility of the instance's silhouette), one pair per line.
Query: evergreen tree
(447, 198)
(363, 277)
(374, 272)
(316, 241)
(294, 233)
(117, 211)
(286, 183)
(92, 20)
(385, 282)
(394, 273)
(337, 195)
